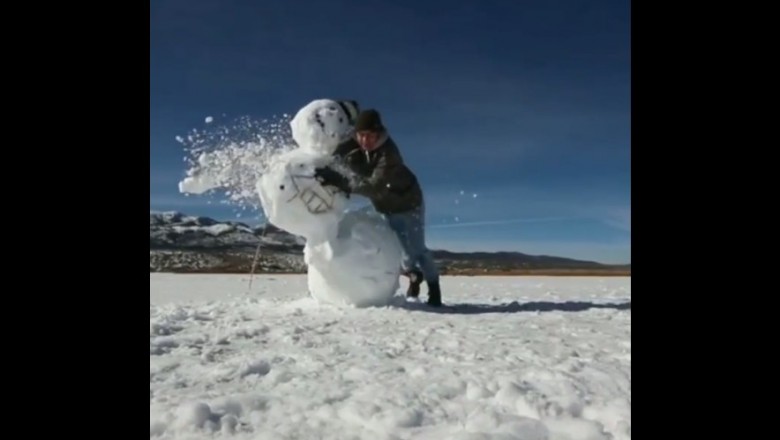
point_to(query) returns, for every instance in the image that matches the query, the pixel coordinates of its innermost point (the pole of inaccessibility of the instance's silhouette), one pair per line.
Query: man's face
(367, 139)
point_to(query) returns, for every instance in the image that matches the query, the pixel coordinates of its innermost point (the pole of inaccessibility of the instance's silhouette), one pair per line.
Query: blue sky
(525, 104)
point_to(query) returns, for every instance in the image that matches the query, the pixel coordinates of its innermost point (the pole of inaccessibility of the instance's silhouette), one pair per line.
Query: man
(382, 176)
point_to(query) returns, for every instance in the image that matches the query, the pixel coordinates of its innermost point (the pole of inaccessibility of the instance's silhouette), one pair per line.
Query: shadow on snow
(512, 307)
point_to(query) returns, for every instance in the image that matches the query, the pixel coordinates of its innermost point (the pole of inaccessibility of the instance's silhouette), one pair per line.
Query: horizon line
(454, 249)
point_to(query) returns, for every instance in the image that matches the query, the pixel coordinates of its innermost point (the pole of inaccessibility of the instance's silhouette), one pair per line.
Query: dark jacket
(382, 176)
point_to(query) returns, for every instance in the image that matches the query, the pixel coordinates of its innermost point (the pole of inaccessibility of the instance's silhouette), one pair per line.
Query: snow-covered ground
(508, 358)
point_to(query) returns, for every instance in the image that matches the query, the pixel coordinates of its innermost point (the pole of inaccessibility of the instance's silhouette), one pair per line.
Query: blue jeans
(410, 228)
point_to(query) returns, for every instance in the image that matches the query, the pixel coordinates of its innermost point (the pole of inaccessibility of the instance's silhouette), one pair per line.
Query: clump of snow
(193, 414)
(231, 158)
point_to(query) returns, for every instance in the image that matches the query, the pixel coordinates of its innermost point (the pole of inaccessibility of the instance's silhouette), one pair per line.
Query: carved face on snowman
(292, 198)
(295, 201)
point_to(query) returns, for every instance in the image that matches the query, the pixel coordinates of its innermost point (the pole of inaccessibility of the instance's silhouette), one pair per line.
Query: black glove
(329, 177)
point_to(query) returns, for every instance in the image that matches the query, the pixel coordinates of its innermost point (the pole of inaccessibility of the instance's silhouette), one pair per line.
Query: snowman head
(293, 200)
(323, 123)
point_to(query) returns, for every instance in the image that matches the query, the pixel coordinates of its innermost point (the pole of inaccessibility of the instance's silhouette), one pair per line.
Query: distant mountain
(184, 243)
(174, 230)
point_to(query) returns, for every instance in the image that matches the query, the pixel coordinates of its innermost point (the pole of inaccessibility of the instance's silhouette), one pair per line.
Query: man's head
(369, 129)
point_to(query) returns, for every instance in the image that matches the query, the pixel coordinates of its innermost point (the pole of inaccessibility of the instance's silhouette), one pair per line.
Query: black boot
(415, 279)
(434, 294)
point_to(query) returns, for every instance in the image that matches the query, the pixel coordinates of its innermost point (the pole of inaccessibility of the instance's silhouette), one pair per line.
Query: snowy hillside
(177, 230)
(545, 358)
(184, 243)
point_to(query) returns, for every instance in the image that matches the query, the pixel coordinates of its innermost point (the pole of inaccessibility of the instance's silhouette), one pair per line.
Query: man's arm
(334, 175)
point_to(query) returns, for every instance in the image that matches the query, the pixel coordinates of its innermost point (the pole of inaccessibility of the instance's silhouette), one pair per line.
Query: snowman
(353, 257)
